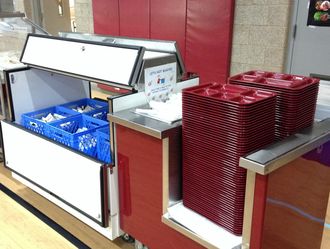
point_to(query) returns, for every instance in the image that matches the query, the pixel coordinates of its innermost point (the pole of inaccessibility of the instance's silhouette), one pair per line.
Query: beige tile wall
(84, 20)
(260, 34)
(19, 5)
(8, 41)
(6, 5)
(84, 16)
(12, 41)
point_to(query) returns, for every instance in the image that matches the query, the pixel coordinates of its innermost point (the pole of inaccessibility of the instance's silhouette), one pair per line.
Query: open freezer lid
(150, 44)
(116, 65)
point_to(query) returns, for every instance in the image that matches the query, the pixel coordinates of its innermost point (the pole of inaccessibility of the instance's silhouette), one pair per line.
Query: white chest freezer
(58, 71)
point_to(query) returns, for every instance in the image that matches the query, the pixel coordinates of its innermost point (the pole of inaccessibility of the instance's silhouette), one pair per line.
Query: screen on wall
(319, 13)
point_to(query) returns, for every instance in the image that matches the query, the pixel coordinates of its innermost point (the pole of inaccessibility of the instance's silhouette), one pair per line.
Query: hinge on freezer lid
(294, 31)
(110, 165)
(12, 79)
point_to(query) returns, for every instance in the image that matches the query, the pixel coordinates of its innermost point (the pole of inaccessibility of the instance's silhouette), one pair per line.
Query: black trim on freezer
(90, 89)
(2, 146)
(104, 196)
(133, 79)
(8, 88)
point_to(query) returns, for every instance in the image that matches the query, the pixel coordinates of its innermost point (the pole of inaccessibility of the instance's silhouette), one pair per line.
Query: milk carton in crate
(91, 107)
(78, 132)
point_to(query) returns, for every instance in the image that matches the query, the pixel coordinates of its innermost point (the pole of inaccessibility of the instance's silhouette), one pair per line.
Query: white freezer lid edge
(164, 46)
(117, 65)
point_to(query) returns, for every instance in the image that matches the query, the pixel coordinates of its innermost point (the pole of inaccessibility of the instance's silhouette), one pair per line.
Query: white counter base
(199, 228)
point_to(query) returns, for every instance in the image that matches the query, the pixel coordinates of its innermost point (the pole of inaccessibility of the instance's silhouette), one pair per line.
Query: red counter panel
(140, 191)
(134, 18)
(106, 17)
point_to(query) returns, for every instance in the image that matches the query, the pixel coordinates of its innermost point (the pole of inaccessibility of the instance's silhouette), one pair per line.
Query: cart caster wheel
(139, 245)
(127, 238)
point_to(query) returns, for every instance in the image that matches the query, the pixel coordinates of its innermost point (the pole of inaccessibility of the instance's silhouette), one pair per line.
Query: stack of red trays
(296, 98)
(220, 123)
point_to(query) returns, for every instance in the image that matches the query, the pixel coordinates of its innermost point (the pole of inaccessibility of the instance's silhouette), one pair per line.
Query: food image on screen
(319, 13)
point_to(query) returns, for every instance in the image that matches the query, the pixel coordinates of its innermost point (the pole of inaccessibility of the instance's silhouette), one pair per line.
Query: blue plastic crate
(100, 108)
(65, 132)
(103, 145)
(33, 120)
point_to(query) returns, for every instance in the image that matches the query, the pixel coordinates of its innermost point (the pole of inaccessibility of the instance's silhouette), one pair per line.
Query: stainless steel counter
(278, 154)
(143, 124)
(262, 162)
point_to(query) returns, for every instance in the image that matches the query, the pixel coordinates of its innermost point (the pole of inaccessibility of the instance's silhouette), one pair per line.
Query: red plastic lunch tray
(220, 123)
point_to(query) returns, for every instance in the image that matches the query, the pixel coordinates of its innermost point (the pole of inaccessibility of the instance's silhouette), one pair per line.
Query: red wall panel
(203, 29)
(208, 38)
(134, 18)
(168, 21)
(106, 17)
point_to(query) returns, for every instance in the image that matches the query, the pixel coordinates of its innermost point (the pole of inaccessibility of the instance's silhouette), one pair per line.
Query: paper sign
(160, 81)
